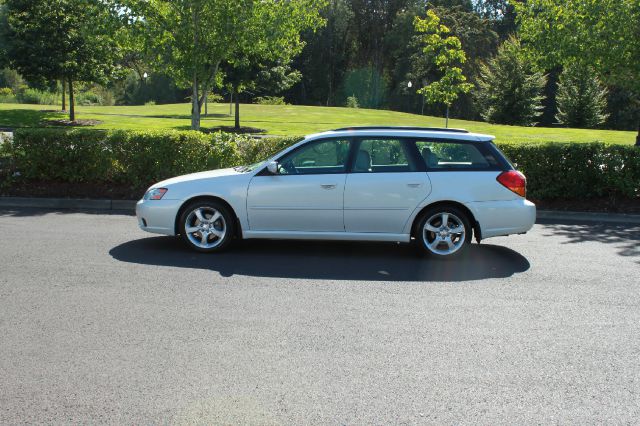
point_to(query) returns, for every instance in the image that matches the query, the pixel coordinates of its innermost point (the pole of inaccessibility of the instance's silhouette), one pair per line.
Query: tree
(510, 87)
(254, 76)
(191, 39)
(500, 12)
(446, 53)
(72, 40)
(188, 39)
(604, 34)
(325, 57)
(581, 98)
(268, 39)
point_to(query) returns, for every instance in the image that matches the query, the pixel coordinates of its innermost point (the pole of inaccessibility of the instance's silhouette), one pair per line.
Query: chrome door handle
(328, 186)
(414, 185)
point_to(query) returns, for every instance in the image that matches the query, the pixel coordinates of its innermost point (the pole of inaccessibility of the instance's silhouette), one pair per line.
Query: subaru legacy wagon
(437, 188)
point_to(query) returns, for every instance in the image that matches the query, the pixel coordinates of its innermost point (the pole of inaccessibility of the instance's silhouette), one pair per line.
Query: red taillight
(514, 181)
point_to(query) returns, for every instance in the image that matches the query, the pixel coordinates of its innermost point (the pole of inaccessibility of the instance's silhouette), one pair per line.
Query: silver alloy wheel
(444, 233)
(205, 227)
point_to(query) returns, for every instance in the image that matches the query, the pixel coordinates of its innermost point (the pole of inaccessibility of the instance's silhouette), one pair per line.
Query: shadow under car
(327, 260)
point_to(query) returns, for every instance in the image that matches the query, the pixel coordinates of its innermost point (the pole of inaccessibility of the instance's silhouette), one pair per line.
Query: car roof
(417, 132)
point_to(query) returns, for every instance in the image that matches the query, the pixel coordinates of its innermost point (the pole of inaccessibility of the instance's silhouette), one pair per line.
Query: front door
(306, 194)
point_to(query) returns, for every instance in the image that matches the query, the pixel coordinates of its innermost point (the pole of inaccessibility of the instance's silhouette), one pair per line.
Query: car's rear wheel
(444, 231)
(207, 226)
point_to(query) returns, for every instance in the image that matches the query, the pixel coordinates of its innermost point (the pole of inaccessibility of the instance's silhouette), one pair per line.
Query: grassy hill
(290, 120)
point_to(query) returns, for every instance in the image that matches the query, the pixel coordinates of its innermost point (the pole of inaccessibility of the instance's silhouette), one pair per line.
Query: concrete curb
(68, 203)
(130, 205)
(588, 217)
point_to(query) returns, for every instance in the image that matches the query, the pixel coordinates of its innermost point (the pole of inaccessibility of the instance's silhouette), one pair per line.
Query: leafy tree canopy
(55, 38)
(603, 34)
(445, 52)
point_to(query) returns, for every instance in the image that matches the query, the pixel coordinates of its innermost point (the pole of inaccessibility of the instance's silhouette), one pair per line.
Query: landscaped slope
(291, 120)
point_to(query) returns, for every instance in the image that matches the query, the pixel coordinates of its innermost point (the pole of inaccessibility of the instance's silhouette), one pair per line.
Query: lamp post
(144, 84)
(409, 85)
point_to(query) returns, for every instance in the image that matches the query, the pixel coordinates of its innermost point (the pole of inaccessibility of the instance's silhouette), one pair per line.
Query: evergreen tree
(581, 98)
(510, 87)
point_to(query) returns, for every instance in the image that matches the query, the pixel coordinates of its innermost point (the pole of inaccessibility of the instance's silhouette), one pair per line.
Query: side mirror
(272, 167)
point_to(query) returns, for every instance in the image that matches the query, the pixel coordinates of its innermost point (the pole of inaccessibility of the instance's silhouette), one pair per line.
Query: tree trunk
(195, 107)
(64, 95)
(237, 126)
(638, 136)
(446, 123)
(195, 100)
(230, 101)
(72, 105)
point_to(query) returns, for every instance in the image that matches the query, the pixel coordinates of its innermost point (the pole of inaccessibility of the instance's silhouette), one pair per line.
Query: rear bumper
(504, 217)
(157, 216)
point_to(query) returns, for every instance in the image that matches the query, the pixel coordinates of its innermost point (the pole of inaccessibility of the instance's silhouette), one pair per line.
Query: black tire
(214, 233)
(435, 243)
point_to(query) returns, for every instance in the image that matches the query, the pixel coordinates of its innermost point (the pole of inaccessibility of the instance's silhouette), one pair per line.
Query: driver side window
(318, 157)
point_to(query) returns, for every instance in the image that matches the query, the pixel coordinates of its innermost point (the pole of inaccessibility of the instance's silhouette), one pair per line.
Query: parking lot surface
(102, 323)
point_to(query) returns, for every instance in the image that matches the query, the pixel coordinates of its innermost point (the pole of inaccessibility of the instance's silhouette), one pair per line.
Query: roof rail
(430, 129)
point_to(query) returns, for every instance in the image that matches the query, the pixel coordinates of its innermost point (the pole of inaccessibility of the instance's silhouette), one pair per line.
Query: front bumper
(158, 216)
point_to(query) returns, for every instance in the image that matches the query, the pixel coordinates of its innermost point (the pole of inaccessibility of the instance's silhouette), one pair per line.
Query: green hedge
(131, 157)
(138, 158)
(578, 170)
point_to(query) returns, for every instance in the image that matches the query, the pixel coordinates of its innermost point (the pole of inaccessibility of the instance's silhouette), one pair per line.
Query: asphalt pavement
(103, 323)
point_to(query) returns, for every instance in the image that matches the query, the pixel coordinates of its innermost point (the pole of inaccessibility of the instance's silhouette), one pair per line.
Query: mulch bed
(45, 189)
(608, 205)
(231, 129)
(124, 192)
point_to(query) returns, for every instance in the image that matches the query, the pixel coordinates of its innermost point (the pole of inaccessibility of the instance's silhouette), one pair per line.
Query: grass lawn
(290, 120)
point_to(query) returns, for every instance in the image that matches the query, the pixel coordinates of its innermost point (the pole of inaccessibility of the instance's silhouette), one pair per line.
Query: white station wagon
(435, 187)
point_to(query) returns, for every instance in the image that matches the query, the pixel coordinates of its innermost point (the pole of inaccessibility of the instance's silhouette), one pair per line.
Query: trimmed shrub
(140, 158)
(135, 158)
(577, 170)
(65, 155)
(254, 150)
(143, 157)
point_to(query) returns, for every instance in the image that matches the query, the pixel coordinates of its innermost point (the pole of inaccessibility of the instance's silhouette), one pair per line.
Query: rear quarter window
(452, 155)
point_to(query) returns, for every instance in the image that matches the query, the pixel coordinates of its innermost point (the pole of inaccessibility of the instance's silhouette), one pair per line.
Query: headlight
(155, 194)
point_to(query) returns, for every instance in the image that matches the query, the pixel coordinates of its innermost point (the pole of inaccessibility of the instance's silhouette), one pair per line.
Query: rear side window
(452, 155)
(383, 156)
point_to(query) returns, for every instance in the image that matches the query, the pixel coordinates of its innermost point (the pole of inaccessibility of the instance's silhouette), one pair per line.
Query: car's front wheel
(444, 231)
(206, 226)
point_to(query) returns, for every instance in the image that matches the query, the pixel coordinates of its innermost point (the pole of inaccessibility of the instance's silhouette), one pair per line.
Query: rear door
(386, 183)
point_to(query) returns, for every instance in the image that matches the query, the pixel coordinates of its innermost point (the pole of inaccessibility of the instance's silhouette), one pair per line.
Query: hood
(197, 176)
